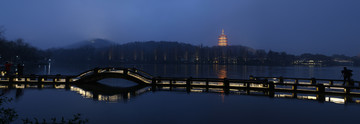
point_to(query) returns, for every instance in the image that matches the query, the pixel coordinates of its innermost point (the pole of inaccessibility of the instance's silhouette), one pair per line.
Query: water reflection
(240, 71)
(311, 71)
(101, 92)
(221, 71)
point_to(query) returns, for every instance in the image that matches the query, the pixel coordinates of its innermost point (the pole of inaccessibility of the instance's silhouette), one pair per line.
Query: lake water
(149, 105)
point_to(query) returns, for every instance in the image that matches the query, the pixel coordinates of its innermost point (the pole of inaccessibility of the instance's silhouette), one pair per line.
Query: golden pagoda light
(222, 39)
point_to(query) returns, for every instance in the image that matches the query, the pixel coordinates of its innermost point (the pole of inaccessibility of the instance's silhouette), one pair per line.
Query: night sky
(295, 26)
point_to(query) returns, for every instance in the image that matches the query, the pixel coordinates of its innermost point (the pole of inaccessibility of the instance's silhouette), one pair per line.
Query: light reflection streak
(20, 86)
(61, 86)
(221, 71)
(166, 88)
(222, 98)
(85, 94)
(283, 95)
(307, 97)
(196, 90)
(3, 87)
(335, 100)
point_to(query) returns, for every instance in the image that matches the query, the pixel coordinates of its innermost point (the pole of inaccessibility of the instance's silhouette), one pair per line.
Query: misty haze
(188, 61)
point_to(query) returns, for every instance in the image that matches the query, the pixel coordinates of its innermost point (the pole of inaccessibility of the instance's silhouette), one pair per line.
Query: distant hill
(156, 44)
(96, 43)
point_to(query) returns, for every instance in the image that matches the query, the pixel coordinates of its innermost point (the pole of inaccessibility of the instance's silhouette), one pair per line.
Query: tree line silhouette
(165, 52)
(17, 51)
(160, 53)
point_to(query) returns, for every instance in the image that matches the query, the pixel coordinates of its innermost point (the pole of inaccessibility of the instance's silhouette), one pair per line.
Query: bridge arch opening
(117, 82)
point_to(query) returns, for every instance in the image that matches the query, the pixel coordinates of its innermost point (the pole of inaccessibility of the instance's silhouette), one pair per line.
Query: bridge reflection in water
(101, 92)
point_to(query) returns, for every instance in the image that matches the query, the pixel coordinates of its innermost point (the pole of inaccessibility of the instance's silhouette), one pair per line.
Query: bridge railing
(306, 80)
(89, 72)
(333, 82)
(140, 77)
(95, 71)
(257, 83)
(209, 82)
(37, 79)
(121, 70)
(140, 72)
(313, 84)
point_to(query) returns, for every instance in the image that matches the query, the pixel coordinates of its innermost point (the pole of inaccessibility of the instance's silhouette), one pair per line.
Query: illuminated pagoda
(222, 39)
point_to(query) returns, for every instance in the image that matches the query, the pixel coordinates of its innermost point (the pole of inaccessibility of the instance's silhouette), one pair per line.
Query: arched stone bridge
(97, 74)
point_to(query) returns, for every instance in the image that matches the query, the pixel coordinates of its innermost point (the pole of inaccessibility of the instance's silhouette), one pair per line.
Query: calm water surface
(163, 106)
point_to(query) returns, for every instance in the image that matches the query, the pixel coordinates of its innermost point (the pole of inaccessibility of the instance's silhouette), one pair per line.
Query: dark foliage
(75, 120)
(174, 52)
(169, 52)
(7, 115)
(18, 51)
